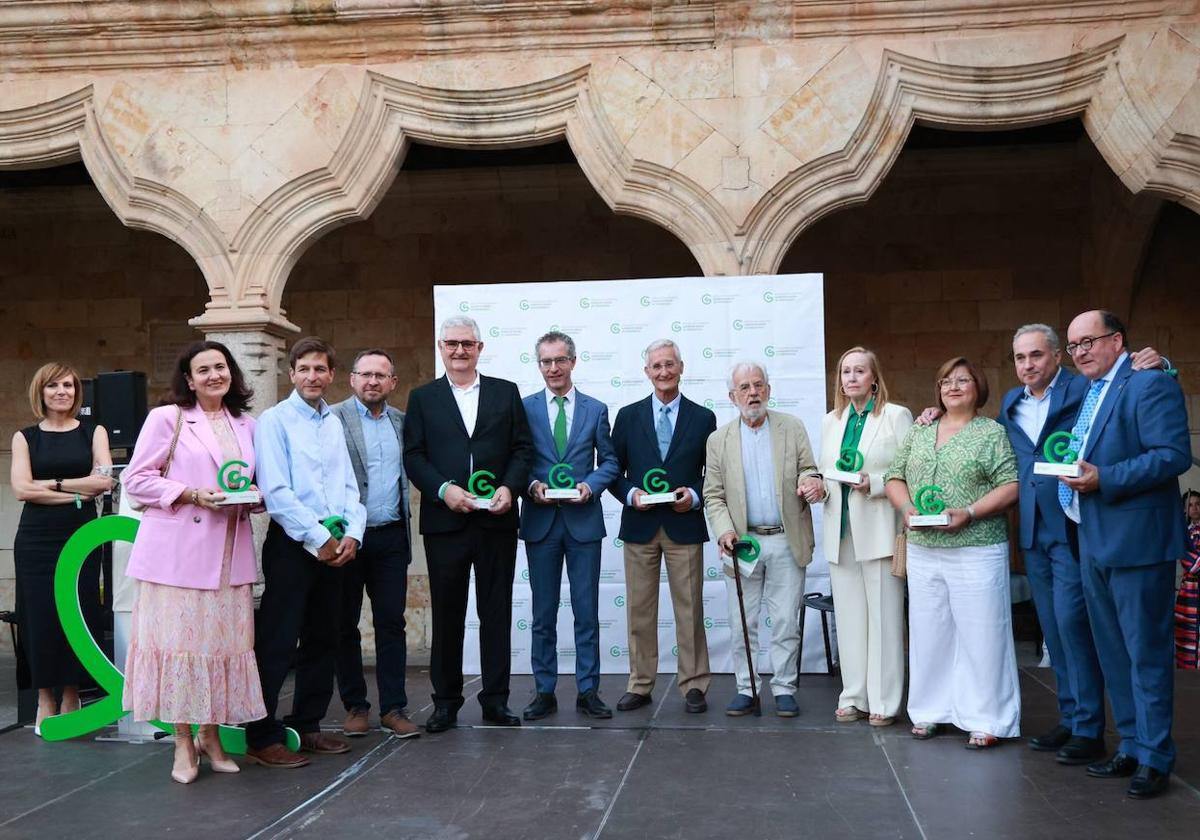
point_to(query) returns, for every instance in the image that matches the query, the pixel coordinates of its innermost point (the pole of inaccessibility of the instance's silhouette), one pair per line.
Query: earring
(874, 387)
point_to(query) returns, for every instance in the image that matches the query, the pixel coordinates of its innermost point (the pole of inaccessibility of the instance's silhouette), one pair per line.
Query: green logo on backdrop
(584, 303)
(614, 328)
(769, 350)
(494, 332)
(524, 304)
(707, 353)
(737, 323)
(645, 300)
(769, 297)
(463, 306)
(706, 299)
(619, 601)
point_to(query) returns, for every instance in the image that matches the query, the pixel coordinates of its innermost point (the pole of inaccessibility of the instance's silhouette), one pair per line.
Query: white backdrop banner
(716, 321)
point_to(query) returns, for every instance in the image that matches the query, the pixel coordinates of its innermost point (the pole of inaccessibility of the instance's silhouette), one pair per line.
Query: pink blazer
(183, 545)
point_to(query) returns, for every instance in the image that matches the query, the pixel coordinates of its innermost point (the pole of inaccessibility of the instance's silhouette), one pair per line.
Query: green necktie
(560, 428)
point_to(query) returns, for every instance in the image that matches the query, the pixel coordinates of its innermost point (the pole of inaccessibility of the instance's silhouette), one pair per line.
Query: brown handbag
(900, 555)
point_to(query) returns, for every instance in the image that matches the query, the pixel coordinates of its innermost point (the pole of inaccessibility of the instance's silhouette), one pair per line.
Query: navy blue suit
(637, 452)
(1052, 561)
(1130, 537)
(574, 531)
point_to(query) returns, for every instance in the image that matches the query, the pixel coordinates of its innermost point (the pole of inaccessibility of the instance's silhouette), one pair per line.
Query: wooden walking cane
(749, 547)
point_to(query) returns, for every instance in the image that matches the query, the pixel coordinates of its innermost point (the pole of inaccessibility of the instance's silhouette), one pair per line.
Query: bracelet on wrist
(195, 497)
(971, 512)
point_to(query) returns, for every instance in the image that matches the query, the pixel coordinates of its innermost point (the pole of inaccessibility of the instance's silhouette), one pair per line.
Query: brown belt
(765, 530)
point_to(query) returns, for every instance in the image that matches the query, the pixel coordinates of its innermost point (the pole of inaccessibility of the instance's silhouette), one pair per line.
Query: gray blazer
(347, 412)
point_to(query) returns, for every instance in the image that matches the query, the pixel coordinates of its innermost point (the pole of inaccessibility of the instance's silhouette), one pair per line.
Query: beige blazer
(725, 483)
(873, 520)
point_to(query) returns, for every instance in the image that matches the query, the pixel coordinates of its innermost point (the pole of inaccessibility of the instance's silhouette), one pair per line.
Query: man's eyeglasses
(454, 344)
(1085, 344)
(546, 364)
(373, 377)
(959, 382)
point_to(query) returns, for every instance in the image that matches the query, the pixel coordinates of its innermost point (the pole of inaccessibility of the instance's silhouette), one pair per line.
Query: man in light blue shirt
(374, 436)
(317, 524)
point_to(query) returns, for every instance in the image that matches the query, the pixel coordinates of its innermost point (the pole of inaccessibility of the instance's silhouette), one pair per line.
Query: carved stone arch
(65, 130)
(907, 90)
(391, 112)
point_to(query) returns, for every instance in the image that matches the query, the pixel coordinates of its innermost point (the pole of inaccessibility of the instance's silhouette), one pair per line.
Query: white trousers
(962, 662)
(778, 583)
(869, 601)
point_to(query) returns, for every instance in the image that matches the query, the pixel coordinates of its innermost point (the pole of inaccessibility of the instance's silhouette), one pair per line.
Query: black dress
(41, 534)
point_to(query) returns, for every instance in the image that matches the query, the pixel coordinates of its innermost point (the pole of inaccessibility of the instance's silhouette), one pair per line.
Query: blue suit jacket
(590, 454)
(637, 452)
(1040, 492)
(1139, 442)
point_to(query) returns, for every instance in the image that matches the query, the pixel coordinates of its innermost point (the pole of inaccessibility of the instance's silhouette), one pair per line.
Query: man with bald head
(1131, 434)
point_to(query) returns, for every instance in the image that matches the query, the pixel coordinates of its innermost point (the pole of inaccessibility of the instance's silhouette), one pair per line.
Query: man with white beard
(761, 477)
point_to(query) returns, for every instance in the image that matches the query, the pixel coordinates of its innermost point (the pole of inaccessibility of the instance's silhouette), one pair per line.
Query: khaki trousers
(685, 576)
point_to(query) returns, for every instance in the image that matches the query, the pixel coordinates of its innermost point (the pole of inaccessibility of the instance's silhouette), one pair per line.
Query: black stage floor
(653, 773)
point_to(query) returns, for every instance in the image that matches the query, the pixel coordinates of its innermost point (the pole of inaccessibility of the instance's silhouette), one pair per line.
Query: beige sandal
(882, 720)
(849, 714)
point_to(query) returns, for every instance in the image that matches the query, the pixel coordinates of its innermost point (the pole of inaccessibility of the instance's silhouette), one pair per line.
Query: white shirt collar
(473, 386)
(570, 395)
(673, 404)
(1108, 374)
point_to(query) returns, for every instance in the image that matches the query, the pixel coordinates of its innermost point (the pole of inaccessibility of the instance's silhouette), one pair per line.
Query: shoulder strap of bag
(174, 440)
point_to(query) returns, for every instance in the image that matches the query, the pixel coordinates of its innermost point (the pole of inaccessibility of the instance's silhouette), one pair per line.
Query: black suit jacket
(637, 451)
(437, 449)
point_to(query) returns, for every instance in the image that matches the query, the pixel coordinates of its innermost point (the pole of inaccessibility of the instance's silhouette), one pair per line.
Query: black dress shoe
(501, 716)
(1118, 767)
(1052, 740)
(441, 720)
(590, 704)
(542, 705)
(694, 702)
(1148, 782)
(631, 700)
(1081, 750)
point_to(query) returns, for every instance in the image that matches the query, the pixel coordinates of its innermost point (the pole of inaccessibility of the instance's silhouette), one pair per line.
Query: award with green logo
(930, 507)
(235, 484)
(481, 484)
(658, 490)
(1060, 457)
(336, 526)
(561, 481)
(846, 467)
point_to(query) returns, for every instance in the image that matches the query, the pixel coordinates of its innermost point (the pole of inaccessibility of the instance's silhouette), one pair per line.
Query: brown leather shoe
(399, 725)
(319, 742)
(355, 725)
(276, 755)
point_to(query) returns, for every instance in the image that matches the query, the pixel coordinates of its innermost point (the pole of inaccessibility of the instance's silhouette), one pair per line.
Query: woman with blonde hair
(860, 436)
(59, 466)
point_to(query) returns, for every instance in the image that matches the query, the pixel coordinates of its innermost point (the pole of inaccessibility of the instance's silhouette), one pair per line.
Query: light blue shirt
(382, 453)
(758, 469)
(1031, 412)
(656, 407)
(304, 471)
(1107, 378)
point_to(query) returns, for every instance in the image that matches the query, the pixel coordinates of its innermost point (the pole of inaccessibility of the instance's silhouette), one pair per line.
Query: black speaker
(87, 408)
(120, 405)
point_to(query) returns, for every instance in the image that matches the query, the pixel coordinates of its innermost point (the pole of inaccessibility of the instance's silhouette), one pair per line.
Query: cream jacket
(874, 522)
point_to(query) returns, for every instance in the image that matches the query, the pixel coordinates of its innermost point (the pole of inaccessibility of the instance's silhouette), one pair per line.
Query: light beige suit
(725, 483)
(777, 578)
(868, 599)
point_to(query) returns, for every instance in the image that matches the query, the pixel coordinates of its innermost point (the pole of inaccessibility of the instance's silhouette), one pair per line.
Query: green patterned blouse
(977, 460)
